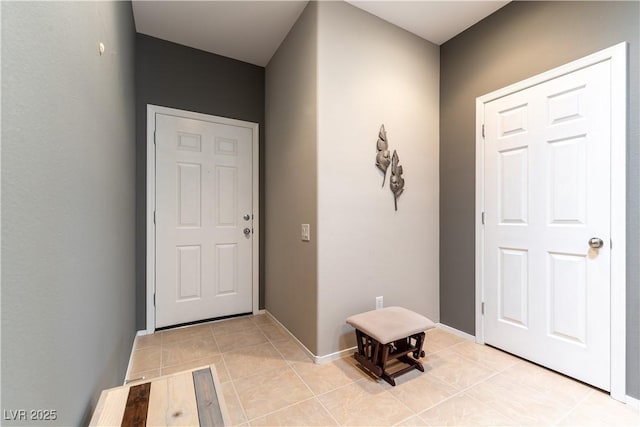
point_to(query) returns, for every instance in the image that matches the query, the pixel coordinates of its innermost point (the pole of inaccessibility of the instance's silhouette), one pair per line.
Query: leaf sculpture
(382, 158)
(396, 182)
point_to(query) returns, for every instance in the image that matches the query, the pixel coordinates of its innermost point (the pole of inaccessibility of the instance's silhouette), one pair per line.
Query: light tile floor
(268, 380)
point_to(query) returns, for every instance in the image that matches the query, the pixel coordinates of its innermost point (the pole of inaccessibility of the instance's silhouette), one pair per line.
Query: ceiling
(251, 31)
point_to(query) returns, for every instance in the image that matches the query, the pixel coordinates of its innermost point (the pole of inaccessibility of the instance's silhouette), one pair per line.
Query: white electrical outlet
(378, 303)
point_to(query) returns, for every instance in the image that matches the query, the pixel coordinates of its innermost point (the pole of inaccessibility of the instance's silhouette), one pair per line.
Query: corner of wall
(291, 180)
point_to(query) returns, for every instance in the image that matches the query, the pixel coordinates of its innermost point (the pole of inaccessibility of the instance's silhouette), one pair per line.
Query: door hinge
(154, 137)
(610, 243)
(154, 299)
(483, 131)
(482, 217)
(482, 308)
(154, 217)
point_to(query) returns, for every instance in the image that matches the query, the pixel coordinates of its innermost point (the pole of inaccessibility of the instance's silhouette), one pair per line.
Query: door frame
(152, 110)
(617, 56)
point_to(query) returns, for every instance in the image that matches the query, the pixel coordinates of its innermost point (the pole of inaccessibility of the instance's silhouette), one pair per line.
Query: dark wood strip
(135, 412)
(209, 410)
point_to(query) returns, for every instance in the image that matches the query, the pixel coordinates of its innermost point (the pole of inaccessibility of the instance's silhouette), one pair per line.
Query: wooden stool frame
(374, 355)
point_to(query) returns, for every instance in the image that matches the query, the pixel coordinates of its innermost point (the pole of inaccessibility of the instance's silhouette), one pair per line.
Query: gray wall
(176, 76)
(291, 180)
(518, 41)
(68, 204)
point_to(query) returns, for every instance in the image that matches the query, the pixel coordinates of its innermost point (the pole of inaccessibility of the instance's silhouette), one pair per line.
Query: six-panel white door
(203, 220)
(547, 193)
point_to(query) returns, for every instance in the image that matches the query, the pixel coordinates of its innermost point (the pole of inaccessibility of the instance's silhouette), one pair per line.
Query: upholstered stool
(388, 334)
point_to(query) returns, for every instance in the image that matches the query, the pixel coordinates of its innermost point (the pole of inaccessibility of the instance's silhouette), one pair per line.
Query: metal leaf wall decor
(396, 182)
(382, 158)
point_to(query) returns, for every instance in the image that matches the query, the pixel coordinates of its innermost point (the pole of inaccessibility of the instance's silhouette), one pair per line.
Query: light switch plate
(305, 233)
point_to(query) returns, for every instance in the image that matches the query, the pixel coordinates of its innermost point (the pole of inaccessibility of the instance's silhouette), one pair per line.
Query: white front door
(547, 193)
(204, 220)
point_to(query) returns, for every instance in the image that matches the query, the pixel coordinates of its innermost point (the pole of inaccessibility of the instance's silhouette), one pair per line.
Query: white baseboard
(633, 402)
(133, 346)
(334, 356)
(455, 332)
(263, 311)
(340, 354)
(304, 348)
(319, 360)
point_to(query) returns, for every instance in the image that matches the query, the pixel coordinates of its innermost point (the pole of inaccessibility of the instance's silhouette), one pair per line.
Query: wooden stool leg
(368, 353)
(359, 339)
(420, 338)
(383, 363)
(374, 356)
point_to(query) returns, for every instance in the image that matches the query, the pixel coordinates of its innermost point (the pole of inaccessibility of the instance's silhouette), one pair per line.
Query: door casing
(152, 110)
(617, 56)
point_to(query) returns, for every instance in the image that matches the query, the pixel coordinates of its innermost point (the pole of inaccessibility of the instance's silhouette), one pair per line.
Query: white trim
(478, 220)
(152, 110)
(139, 333)
(1, 192)
(455, 331)
(126, 374)
(319, 360)
(133, 347)
(302, 346)
(633, 402)
(617, 56)
(151, 227)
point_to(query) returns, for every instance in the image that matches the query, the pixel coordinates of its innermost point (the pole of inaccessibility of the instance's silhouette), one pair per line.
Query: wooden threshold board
(190, 397)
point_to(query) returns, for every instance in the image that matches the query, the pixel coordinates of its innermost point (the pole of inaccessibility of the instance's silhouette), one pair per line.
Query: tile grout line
(246, 417)
(281, 409)
(161, 352)
(244, 413)
(232, 381)
(224, 364)
(313, 394)
(566, 415)
(496, 408)
(517, 359)
(486, 405)
(458, 393)
(414, 413)
(328, 411)
(302, 379)
(313, 397)
(340, 387)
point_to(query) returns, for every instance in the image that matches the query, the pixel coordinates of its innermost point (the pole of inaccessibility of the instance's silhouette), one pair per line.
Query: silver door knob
(595, 242)
(246, 231)
(246, 217)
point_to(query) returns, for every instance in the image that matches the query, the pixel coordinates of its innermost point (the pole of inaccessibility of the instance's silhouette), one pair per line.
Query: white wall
(369, 73)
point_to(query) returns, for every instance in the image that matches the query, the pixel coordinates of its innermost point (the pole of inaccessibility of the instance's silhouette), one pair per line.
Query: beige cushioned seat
(390, 323)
